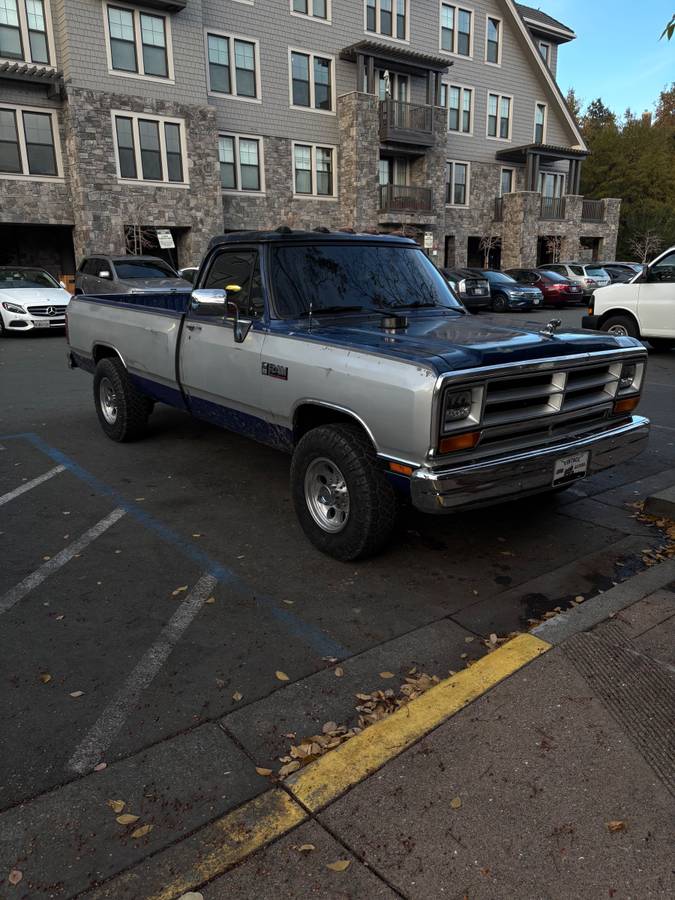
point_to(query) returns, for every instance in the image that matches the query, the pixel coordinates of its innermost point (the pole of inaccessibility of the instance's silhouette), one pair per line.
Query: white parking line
(29, 485)
(30, 582)
(104, 730)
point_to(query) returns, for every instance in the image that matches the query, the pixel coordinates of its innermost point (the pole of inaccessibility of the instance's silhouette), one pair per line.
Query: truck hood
(139, 285)
(450, 343)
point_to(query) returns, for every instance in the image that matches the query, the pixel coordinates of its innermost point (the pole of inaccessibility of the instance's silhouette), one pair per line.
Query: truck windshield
(344, 277)
(143, 268)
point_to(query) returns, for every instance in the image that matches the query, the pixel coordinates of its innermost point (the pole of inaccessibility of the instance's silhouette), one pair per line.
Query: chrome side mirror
(208, 301)
(239, 327)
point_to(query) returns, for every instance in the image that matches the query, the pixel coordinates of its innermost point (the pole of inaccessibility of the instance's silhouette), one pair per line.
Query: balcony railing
(593, 211)
(404, 198)
(499, 209)
(552, 208)
(406, 123)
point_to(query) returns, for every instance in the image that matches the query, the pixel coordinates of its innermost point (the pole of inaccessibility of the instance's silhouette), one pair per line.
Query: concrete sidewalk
(514, 795)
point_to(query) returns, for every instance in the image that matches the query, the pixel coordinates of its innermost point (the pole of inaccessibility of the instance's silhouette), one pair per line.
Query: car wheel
(621, 326)
(661, 345)
(499, 302)
(122, 410)
(343, 501)
(3, 330)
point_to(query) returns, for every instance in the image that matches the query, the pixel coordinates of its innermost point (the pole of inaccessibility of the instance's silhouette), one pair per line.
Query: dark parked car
(557, 290)
(127, 275)
(471, 286)
(622, 272)
(508, 294)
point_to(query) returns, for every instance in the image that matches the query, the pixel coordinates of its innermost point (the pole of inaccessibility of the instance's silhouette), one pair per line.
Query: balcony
(593, 211)
(552, 208)
(406, 123)
(405, 198)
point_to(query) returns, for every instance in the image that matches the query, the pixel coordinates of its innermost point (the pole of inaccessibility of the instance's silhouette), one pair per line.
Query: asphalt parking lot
(154, 595)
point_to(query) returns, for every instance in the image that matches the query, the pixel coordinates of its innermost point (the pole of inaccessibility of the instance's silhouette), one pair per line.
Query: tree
(645, 245)
(573, 104)
(489, 241)
(554, 247)
(665, 107)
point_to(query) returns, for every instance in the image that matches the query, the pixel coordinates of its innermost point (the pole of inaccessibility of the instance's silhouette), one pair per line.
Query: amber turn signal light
(460, 442)
(400, 469)
(627, 405)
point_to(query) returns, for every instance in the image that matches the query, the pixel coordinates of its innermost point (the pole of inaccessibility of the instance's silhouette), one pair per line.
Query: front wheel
(345, 505)
(621, 326)
(122, 410)
(499, 303)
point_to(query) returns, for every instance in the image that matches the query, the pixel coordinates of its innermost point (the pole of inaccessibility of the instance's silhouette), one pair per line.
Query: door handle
(191, 327)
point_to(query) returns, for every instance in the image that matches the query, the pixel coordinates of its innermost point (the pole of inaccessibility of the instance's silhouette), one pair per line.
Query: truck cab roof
(287, 235)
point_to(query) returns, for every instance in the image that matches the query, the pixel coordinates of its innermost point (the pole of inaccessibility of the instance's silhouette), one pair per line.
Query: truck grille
(53, 311)
(476, 284)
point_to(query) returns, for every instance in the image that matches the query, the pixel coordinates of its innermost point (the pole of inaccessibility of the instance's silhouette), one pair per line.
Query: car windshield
(354, 277)
(493, 277)
(26, 278)
(143, 268)
(596, 272)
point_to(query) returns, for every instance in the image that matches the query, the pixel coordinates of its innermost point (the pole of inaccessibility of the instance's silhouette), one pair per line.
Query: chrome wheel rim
(327, 495)
(619, 330)
(108, 400)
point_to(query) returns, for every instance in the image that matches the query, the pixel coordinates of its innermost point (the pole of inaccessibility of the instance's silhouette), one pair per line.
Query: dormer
(546, 32)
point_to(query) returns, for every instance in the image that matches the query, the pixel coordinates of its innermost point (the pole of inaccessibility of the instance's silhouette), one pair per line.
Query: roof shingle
(542, 18)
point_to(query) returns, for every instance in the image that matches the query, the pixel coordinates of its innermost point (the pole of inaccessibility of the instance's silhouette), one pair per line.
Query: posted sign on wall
(165, 239)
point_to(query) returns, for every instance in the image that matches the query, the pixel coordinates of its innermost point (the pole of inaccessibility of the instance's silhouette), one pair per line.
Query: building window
(311, 81)
(23, 31)
(314, 9)
(388, 18)
(493, 41)
(233, 66)
(240, 163)
(28, 142)
(545, 52)
(150, 148)
(499, 117)
(456, 30)
(138, 43)
(458, 101)
(457, 184)
(540, 116)
(313, 170)
(506, 182)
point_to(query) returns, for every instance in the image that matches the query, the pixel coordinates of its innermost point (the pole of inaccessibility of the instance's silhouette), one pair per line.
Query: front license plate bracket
(569, 468)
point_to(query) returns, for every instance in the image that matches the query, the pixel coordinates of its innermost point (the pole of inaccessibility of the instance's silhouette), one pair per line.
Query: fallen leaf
(387, 675)
(339, 672)
(456, 803)
(463, 655)
(15, 876)
(45, 678)
(339, 865)
(76, 694)
(237, 696)
(58, 618)
(196, 534)
(469, 640)
(281, 676)
(288, 602)
(46, 557)
(330, 659)
(179, 590)
(328, 727)
(616, 825)
(262, 771)
(99, 767)
(211, 600)
(579, 599)
(142, 831)
(116, 805)
(289, 768)
(127, 819)
(305, 848)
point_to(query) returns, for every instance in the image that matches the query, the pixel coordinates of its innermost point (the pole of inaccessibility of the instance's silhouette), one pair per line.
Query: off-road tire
(622, 321)
(133, 407)
(499, 303)
(373, 507)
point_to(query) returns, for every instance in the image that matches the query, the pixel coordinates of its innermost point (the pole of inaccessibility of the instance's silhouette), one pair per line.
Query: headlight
(462, 408)
(14, 308)
(631, 377)
(461, 287)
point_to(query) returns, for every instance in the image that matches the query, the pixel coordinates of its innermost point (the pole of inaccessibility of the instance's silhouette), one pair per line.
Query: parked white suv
(642, 308)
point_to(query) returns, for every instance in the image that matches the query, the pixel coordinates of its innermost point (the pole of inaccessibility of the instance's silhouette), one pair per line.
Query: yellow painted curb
(323, 781)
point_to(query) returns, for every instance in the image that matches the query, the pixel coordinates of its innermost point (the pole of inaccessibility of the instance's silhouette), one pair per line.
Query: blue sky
(617, 54)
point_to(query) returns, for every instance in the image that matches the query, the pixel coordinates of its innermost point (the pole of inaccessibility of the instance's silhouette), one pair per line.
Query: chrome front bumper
(517, 475)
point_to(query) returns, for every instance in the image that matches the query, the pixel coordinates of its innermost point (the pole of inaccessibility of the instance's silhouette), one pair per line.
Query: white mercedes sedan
(30, 298)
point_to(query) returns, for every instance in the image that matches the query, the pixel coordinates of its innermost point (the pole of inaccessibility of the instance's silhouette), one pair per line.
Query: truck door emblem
(552, 326)
(275, 371)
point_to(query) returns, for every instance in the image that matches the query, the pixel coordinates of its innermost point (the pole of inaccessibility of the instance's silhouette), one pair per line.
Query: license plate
(40, 323)
(477, 292)
(567, 468)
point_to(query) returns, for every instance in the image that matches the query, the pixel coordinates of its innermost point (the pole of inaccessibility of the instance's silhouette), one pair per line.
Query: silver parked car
(127, 275)
(588, 276)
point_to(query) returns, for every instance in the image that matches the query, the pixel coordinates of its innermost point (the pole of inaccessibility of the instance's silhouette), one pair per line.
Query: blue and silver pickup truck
(352, 353)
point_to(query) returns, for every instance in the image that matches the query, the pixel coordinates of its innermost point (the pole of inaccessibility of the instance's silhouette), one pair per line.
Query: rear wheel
(661, 345)
(621, 326)
(344, 503)
(122, 410)
(499, 302)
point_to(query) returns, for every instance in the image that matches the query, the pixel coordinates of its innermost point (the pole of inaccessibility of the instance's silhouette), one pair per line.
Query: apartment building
(441, 119)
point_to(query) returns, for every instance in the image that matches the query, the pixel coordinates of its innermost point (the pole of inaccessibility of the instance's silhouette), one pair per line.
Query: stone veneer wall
(102, 205)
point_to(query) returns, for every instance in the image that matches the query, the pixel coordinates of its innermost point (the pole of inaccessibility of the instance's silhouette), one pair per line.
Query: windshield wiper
(320, 310)
(417, 304)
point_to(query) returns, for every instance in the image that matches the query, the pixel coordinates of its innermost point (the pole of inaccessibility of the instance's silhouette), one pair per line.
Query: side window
(576, 270)
(664, 270)
(240, 267)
